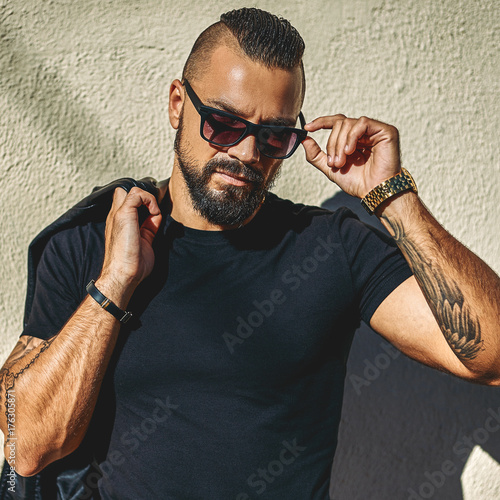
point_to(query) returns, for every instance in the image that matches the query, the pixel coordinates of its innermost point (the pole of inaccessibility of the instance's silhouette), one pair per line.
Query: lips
(233, 173)
(234, 179)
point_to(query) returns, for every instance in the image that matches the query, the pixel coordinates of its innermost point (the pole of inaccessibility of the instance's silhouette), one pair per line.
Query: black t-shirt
(229, 383)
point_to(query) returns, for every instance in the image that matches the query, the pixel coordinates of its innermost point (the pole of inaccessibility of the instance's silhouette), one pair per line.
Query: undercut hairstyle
(261, 36)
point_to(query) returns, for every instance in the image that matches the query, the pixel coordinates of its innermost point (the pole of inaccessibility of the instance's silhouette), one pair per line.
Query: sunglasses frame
(250, 128)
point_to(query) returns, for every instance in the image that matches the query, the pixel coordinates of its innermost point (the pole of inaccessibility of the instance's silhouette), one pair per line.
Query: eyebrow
(229, 108)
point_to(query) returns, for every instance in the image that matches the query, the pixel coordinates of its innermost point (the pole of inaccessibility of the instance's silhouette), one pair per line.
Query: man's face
(228, 184)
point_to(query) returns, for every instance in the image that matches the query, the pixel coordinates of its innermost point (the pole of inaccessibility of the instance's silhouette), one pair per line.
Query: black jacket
(75, 476)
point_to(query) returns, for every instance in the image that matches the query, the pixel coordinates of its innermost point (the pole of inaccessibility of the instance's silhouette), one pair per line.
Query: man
(229, 383)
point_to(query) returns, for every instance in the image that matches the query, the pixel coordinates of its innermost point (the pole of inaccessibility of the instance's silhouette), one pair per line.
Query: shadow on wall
(53, 109)
(406, 430)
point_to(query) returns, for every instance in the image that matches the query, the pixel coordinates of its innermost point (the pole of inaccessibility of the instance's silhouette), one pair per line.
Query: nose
(246, 150)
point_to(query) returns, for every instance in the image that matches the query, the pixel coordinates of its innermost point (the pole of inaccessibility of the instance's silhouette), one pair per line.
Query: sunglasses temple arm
(302, 120)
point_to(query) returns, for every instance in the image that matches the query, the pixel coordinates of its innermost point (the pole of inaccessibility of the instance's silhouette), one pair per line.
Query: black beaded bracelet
(121, 315)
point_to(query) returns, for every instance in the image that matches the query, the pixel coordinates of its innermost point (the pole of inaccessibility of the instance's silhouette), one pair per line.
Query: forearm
(461, 290)
(57, 383)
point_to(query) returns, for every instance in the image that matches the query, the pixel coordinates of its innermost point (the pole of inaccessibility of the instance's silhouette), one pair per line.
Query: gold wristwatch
(397, 184)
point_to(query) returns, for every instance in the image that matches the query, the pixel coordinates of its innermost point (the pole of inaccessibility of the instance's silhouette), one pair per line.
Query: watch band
(397, 184)
(121, 315)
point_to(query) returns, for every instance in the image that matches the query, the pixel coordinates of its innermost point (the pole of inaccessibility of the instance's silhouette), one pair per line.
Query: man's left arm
(447, 314)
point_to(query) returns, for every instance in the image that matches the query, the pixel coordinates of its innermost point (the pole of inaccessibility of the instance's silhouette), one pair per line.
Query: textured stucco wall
(83, 99)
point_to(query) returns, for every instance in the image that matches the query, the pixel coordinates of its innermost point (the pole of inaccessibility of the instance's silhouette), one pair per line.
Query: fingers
(350, 136)
(335, 155)
(363, 128)
(150, 227)
(359, 154)
(119, 195)
(134, 199)
(129, 256)
(124, 210)
(323, 122)
(340, 127)
(337, 142)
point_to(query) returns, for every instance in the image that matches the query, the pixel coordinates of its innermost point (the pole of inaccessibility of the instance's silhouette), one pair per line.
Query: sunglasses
(225, 129)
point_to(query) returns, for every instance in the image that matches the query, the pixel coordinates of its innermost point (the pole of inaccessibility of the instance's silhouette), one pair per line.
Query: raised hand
(129, 255)
(360, 153)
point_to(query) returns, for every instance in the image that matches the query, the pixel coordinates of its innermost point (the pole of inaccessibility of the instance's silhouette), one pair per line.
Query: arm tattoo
(460, 326)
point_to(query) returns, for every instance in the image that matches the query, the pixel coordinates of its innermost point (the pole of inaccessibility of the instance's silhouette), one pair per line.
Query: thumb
(315, 156)
(150, 227)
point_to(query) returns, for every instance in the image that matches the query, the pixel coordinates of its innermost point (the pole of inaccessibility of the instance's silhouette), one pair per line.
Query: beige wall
(83, 97)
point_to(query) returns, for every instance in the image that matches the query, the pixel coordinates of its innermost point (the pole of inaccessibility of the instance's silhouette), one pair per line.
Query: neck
(183, 210)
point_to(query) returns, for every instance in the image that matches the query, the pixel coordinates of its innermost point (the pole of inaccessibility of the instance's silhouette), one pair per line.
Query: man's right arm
(56, 382)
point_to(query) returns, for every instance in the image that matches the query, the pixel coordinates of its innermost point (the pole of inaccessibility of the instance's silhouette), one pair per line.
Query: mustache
(233, 167)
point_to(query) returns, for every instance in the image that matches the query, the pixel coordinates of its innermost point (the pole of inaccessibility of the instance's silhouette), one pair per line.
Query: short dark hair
(260, 35)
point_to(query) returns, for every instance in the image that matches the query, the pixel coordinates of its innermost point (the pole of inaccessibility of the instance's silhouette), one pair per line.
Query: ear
(175, 103)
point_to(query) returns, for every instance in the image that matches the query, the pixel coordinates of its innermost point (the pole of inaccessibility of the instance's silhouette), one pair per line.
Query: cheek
(190, 122)
(198, 147)
(273, 169)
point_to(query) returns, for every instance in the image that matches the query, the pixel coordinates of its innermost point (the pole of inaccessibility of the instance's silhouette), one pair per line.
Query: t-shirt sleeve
(376, 263)
(59, 287)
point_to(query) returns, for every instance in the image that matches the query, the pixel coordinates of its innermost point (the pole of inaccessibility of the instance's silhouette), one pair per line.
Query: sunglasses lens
(226, 130)
(222, 130)
(276, 144)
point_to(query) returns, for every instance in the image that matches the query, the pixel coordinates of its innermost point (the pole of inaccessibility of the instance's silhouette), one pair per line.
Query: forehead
(249, 87)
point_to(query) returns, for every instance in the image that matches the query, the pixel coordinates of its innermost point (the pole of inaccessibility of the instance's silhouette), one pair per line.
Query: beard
(230, 205)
